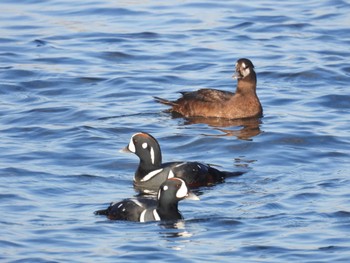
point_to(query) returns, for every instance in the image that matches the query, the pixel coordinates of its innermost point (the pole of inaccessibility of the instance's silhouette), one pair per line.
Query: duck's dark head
(175, 189)
(146, 147)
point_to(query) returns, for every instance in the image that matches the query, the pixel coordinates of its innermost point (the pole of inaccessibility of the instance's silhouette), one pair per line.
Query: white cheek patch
(165, 187)
(171, 174)
(151, 175)
(152, 155)
(144, 145)
(131, 146)
(246, 72)
(182, 192)
(243, 64)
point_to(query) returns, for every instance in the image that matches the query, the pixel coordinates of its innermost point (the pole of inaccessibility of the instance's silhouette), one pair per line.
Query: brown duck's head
(244, 68)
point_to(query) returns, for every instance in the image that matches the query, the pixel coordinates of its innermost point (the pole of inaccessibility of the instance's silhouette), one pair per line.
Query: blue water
(77, 80)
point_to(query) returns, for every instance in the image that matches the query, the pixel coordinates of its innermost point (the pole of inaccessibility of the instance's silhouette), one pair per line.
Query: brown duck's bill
(236, 75)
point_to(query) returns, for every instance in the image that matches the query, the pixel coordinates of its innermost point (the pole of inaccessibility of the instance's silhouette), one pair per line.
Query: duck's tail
(164, 101)
(104, 212)
(233, 174)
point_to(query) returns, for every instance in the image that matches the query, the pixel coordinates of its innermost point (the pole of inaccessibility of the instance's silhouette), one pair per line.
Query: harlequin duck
(244, 103)
(151, 172)
(144, 209)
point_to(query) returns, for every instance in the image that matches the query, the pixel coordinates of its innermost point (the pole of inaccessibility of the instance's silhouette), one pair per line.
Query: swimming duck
(244, 103)
(165, 207)
(151, 172)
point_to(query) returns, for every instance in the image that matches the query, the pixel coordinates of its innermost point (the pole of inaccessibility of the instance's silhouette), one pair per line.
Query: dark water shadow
(244, 129)
(173, 229)
(146, 114)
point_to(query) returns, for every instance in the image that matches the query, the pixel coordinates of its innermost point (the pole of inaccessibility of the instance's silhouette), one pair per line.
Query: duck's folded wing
(207, 95)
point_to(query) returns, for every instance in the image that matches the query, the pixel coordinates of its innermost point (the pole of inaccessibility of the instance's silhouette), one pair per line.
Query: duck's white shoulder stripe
(156, 216)
(142, 216)
(151, 175)
(137, 202)
(180, 164)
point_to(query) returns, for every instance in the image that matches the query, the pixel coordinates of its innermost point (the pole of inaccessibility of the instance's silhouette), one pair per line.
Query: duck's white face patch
(144, 145)
(152, 155)
(171, 174)
(131, 145)
(182, 192)
(246, 71)
(243, 64)
(151, 175)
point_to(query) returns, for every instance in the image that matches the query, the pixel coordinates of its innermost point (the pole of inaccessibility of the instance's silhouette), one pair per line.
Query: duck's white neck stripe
(152, 155)
(151, 175)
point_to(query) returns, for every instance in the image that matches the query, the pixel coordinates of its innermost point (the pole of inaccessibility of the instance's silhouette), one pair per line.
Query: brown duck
(244, 103)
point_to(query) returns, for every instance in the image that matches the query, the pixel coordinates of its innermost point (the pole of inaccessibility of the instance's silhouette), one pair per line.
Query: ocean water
(77, 80)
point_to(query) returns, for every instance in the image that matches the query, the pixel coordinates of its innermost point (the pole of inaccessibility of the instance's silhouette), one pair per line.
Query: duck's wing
(207, 95)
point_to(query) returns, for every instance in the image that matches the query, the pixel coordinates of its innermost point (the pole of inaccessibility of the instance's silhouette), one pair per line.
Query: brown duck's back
(234, 107)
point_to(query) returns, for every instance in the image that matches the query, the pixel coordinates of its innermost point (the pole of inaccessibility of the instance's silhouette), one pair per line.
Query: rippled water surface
(77, 80)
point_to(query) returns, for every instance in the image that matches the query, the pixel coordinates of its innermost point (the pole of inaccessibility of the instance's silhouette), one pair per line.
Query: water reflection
(174, 229)
(247, 128)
